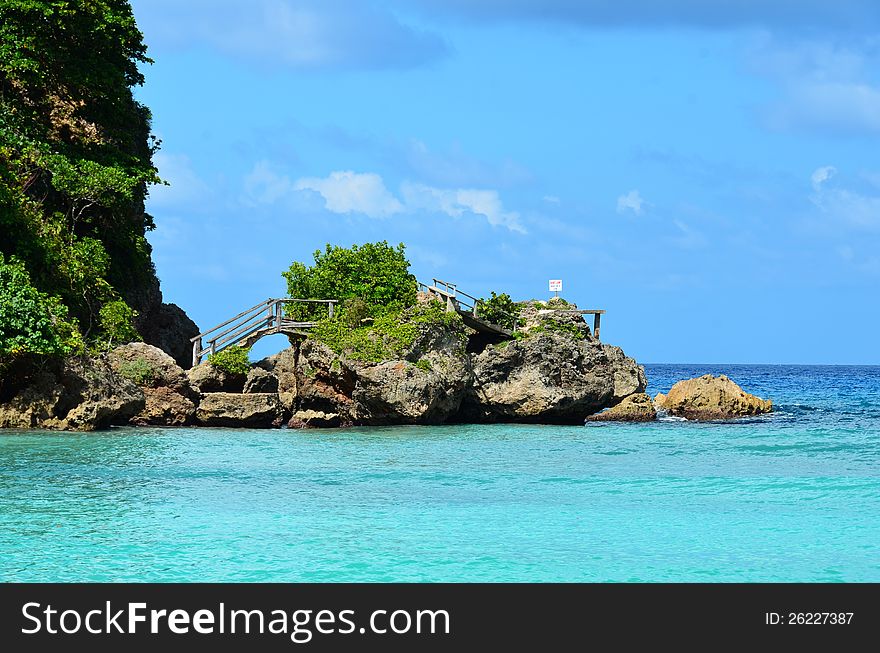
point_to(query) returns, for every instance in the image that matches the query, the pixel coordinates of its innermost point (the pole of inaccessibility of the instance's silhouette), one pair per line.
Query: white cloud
(265, 186)
(457, 202)
(305, 34)
(821, 175)
(186, 187)
(823, 86)
(345, 191)
(551, 199)
(632, 201)
(843, 206)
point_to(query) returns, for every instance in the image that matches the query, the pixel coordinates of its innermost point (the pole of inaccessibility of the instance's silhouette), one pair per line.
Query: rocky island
(87, 340)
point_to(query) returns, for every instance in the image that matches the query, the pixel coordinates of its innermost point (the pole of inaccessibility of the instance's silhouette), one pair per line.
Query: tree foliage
(234, 360)
(75, 153)
(376, 273)
(499, 309)
(31, 322)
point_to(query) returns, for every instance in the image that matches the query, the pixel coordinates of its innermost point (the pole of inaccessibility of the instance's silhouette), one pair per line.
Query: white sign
(555, 285)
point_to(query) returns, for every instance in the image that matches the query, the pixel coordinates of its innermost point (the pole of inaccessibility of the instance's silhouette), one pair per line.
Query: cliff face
(75, 168)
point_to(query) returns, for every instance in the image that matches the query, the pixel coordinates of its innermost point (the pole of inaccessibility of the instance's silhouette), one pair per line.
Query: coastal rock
(711, 397)
(555, 316)
(549, 378)
(165, 407)
(77, 394)
(426, 385)
(634, 408)
(302, 419)
(169, 328)
(210, 378)
(283, 367)
(170, 401)
(260, 381)
(243, 410)
(148, 366)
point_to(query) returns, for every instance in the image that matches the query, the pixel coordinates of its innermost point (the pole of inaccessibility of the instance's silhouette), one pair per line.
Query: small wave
(670, 418)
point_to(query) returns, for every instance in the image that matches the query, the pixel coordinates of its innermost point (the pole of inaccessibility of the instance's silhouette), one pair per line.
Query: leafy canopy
(376, 273)
(31, 322)
(75, 154)
(499, 309)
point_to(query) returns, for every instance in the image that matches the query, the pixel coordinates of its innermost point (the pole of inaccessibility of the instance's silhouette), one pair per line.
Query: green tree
(376, 273)
(31, 322)
(75, 152)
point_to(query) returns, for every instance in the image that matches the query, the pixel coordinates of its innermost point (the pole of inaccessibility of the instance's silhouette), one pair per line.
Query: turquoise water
(790, 497)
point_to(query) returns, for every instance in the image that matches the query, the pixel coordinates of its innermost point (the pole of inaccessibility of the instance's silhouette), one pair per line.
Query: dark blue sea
(792, 496)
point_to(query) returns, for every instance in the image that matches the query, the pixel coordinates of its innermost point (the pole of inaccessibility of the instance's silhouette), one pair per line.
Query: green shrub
(117, 322)
(139, 370)
(233, 360)
(32, 322)
(499, 309)
(390, 336)
(353, 311)
(561, 328)
(424, 364)
(376, 273)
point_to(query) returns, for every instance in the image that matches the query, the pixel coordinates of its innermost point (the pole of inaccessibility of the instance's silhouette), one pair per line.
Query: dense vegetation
(377, 318)
(388, 337)
(499, 309)
(370, 280)
(75, 163)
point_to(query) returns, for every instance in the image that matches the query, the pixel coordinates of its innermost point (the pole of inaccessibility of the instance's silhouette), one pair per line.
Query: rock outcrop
(634, 408)
(243, 410)
(427, 369)
(170, 401)
(210, 378)
(549, 377)
(711, 397)
(77, 394)
(303, 419)
(426, 385)
(260, 381)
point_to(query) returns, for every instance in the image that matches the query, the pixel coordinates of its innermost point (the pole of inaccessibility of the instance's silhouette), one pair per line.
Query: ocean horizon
(793, 496)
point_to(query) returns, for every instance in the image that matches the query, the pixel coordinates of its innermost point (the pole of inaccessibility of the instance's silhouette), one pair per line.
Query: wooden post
(596, 320)
(197, 346)
(330, 309)
(278, 306)
(450, 305)
(213, 347)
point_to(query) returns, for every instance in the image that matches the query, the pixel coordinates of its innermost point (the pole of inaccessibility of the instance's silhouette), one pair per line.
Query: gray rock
(549, 378)
(165, 407)
(634, 408)
(425, 386)
(170, 400)
(77, 394)
(302, 419)
(169, 328)
(242, 410)
(210, 378)
(283, 366)
(259, 380)
(148, 366)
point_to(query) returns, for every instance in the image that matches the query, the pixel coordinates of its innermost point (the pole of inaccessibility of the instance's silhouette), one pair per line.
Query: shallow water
(794, 496)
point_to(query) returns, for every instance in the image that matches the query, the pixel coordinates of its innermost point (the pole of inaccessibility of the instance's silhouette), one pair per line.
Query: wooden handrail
(261, 319)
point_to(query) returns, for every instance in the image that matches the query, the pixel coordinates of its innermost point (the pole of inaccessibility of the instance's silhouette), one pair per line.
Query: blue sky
(708, 172)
